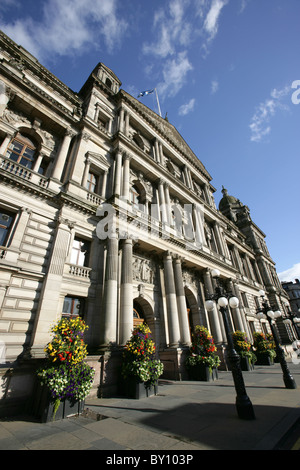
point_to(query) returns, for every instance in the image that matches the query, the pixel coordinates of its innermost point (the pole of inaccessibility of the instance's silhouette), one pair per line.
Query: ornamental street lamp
(243, 403)
(267, 312)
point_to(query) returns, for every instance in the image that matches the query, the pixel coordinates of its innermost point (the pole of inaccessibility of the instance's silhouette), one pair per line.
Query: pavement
(183, 418)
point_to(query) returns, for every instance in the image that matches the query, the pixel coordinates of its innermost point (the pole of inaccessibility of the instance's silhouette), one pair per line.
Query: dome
(227, 200)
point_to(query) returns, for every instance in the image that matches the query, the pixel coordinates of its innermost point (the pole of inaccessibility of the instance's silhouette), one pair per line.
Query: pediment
(167, 131)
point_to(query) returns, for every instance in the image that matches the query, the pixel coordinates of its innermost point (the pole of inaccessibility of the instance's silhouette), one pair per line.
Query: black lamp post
(267, 312)
(243, 404)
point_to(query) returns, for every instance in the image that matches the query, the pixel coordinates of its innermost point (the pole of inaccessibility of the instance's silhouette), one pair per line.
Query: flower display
(65, 374)
(139, 357)
(264, 344)
(203, 349)
(243, 346)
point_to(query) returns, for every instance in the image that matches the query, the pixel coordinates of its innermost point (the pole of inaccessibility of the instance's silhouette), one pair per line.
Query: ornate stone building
(107, 213)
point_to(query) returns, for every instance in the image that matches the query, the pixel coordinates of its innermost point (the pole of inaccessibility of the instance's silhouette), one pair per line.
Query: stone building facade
(107, 213)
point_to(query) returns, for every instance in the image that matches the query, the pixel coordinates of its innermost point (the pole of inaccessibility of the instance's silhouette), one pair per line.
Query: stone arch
(192, 307)
(145, 310)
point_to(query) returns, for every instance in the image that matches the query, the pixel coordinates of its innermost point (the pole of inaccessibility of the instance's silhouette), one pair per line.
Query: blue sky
(224, 71)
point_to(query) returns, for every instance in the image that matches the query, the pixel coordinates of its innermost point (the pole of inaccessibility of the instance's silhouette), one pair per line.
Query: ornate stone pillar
(181, 303)
(86, 172)
(5, 143)
(162, 202)
(118, 170)
(104, 183)
(48, 312)
(108, 321)
(172, 312)
(126, 175)
(235, 312)
(213, 315)
(78, 165)
(126, 296)
(62, 155)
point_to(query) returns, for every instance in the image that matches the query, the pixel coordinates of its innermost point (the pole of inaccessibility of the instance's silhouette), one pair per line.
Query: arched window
(22, 150)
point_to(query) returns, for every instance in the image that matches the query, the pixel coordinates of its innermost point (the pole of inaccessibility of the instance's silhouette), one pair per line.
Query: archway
(143, 312)
(192, 309)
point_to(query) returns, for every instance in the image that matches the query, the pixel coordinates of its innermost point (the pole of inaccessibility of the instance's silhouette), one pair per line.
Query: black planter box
(43, 406)
(246, 365)
(264, 359)
(203, 373)
(137, 390)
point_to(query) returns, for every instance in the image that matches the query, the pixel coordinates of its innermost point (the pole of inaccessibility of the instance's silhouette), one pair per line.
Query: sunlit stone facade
(107, 213)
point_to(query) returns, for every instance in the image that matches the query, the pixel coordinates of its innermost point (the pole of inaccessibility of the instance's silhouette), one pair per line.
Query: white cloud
(68, 27)
(171, 29)
(174, 74)
(186, 108)
(211, 22)
(290, 274)
(214, 86)
(259, 125)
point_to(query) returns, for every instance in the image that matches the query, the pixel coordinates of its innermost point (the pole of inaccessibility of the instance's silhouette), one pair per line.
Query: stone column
(104, 182)
(181, 303)
(162, 202)
(108, 322)
(213, 316)
(126, 176)
(78, 164)
(168, 202)
(126, 296)
(86, 172)
(62, 155)
(48, 312)
(172, 312)
(5, 143)
(235, 312)
(118, 169)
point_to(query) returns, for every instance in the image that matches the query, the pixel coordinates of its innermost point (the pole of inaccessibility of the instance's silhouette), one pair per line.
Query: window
(80, 252)
(92, 182)
(72, 306)
(22, 150)
(6, 221)
(135, 197)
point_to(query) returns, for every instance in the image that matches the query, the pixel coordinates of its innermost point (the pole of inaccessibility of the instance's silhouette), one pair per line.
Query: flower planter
(246, 365)
(264, 359)
(138, 390)
(44, 406)
(203, 373)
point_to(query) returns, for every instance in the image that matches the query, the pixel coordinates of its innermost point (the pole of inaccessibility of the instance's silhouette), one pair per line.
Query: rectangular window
(80, 252)
(6, 222)
(73, 306)
(92, 182)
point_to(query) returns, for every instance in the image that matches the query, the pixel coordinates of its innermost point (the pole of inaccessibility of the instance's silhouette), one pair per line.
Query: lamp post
(243, 404)
(267, 312)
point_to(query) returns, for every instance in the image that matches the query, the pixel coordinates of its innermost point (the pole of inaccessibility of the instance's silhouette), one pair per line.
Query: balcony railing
(13, 168)
(76, 271)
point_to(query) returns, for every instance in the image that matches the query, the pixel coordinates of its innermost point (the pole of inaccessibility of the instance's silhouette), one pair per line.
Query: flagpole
(157, 102)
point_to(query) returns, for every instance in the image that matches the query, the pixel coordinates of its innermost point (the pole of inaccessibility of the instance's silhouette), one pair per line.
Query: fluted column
(162, 202)
(118, 170)
(62, 155)
(108, 321)
(126, 296)
(126, 176)
(5, 143)
(181, 303)
(173, 323)
(213, 315)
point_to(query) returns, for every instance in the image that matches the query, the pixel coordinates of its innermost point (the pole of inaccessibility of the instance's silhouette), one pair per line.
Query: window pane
(6, 220)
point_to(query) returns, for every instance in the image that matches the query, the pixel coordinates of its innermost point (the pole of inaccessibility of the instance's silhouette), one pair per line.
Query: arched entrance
(143, 312)
(192, 309)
